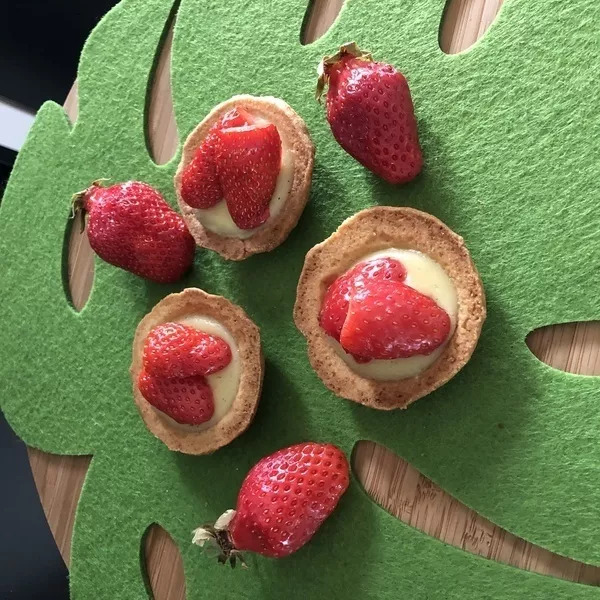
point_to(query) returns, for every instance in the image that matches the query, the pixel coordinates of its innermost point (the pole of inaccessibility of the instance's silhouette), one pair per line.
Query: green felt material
(511, 137)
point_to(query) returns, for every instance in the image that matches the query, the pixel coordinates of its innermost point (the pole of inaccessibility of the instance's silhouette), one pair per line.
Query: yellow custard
(217, 218)
(428, 277)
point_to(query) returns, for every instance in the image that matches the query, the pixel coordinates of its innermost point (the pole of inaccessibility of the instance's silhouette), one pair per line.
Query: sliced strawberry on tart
(391, 306)
(197, 371)
(245, 175)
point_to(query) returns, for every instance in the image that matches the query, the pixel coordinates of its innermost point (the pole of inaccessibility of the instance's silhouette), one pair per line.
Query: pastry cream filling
(217, 218)
(428, 277)
(224, 383)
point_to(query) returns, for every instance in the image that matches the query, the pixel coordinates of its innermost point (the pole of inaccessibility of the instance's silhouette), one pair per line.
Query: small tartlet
(294, 135)
(193, 301)
(366, 232)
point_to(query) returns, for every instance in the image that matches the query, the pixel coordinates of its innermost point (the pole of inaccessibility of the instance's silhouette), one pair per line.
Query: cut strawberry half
(187, 400)
(236, 117)
(177, 350)
(248, 160)
(335, 304)
(200, 186)
(388, 320)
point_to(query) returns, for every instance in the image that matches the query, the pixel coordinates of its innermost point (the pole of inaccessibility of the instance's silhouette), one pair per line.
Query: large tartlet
(174, 308)
(295, 137)
(367, 232)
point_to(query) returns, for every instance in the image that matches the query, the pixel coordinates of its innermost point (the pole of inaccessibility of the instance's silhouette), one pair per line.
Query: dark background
(40, 41)
(31, 567)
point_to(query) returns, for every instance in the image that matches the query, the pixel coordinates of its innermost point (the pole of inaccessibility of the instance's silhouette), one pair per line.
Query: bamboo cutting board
(390, 480)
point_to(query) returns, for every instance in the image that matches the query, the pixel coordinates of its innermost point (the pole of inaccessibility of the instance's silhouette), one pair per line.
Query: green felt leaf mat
(510, 132)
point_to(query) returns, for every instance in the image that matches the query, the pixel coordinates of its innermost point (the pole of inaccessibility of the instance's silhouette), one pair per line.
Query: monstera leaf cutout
(511, 135)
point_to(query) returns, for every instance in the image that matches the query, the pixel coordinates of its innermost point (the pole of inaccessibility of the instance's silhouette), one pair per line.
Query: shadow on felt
(430, 191)
(466, 432)
(333, 560)
(281, 420)
(266, 283)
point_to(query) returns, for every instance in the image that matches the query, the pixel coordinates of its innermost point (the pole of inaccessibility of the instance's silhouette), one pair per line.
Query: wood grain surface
(392, 482)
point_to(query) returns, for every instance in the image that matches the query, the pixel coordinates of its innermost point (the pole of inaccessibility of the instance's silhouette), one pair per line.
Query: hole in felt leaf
(403, 492)
(71, 104)
(77, 263)
(59, 500)
(464, 22)
(318, 19)
(162, 565)
(161, 130)
(571, 347)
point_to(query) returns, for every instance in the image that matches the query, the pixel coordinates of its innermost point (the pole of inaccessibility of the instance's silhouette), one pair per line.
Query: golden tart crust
(193, 301)
(366, 232)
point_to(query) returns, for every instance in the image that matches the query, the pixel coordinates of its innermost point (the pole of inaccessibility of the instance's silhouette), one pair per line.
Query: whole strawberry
(131, 226)
(370, 112)
(283, 500)
(248, 162)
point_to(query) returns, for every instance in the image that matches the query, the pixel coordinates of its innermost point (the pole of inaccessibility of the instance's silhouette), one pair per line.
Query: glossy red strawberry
(248, 160)
(389, 320)
(200, 186)
(370, 111)
(283, 500)
(177, 350)
(187, 400)
(335, 303)
(131, 226)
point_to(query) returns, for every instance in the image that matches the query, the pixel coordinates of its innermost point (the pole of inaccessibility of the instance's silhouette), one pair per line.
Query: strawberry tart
(391, 306)
(197, 371)
(244, 176)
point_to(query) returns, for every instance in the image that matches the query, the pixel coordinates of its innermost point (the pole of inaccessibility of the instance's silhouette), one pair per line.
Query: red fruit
(236, 117)
(283, 500)
(131, 226)
(248, 160)
(370, 111)
(392, 320)
(200, 186)
(176, 350)
(187, 400)
(335, 303)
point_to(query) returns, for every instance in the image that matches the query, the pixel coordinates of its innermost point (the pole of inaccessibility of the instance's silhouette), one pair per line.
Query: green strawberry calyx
(347, 49)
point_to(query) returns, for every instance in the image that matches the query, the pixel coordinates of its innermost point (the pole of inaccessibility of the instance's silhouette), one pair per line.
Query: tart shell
(294, 135)
(247, 336)
(366, 232)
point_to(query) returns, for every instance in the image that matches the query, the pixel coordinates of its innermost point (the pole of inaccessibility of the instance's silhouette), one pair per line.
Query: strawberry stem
(78, 200)
(347, 49)
(219, 538)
